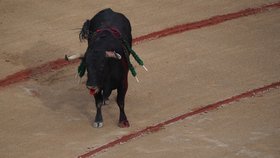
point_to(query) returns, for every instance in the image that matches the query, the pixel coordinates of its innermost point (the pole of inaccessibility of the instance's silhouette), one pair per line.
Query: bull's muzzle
(93, 90)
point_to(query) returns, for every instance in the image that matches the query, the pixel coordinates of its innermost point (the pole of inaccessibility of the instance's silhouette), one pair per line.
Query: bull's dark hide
(105, 34)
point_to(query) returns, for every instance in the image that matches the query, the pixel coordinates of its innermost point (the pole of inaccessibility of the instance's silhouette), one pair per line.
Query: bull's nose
(90, 87)
(91, 84)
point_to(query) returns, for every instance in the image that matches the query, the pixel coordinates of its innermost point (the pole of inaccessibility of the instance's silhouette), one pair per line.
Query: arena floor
(212, 89)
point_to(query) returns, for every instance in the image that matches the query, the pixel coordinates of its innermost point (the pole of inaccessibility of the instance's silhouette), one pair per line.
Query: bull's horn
(113, 54)
(73, 57)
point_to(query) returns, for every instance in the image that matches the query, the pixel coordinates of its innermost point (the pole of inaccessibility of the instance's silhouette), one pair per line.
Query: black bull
(106, 60)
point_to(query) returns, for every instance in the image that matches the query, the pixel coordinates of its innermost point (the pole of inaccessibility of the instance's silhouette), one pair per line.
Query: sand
(50, 115)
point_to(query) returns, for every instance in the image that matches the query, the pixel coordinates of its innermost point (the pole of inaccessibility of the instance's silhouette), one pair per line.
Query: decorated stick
(135, 56)
(133, 72)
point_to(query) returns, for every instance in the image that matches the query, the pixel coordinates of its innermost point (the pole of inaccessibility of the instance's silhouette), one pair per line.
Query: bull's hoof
(98, 124)
(123, 124)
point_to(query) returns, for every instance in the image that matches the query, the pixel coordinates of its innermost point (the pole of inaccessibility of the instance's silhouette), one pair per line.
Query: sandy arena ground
(51, 116)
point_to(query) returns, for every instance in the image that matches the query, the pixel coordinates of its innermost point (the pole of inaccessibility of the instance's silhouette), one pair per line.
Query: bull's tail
(84, 34)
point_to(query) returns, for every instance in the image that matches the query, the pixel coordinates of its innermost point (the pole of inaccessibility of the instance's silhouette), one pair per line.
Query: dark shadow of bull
(106, 60)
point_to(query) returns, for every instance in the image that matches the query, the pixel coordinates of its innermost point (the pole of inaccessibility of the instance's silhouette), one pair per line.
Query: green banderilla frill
(133, 53)
(136, 57)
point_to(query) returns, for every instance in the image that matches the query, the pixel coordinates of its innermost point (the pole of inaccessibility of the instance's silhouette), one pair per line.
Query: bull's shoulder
(109, 18)
(105, 11)
(108, 15)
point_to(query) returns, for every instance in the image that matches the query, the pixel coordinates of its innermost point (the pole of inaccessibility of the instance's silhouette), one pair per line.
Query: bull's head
(96, 63)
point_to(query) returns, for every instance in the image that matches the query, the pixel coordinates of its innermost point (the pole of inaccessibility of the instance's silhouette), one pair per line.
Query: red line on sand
(31, 72)
(60, 63)
(207, 22)
(159, 126)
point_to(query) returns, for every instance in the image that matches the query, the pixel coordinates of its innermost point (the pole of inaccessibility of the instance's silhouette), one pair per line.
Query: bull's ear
(113, 54)
(84, 34)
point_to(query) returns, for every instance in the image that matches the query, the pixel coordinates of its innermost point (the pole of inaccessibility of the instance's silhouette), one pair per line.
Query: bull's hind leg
(123, 122)
(98, 122)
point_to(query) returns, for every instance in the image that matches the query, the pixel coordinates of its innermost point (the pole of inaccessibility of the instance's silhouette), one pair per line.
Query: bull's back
(108, 18)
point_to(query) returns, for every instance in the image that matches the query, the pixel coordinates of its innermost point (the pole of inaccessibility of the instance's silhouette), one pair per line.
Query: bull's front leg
(98, 122)
(123, 122)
